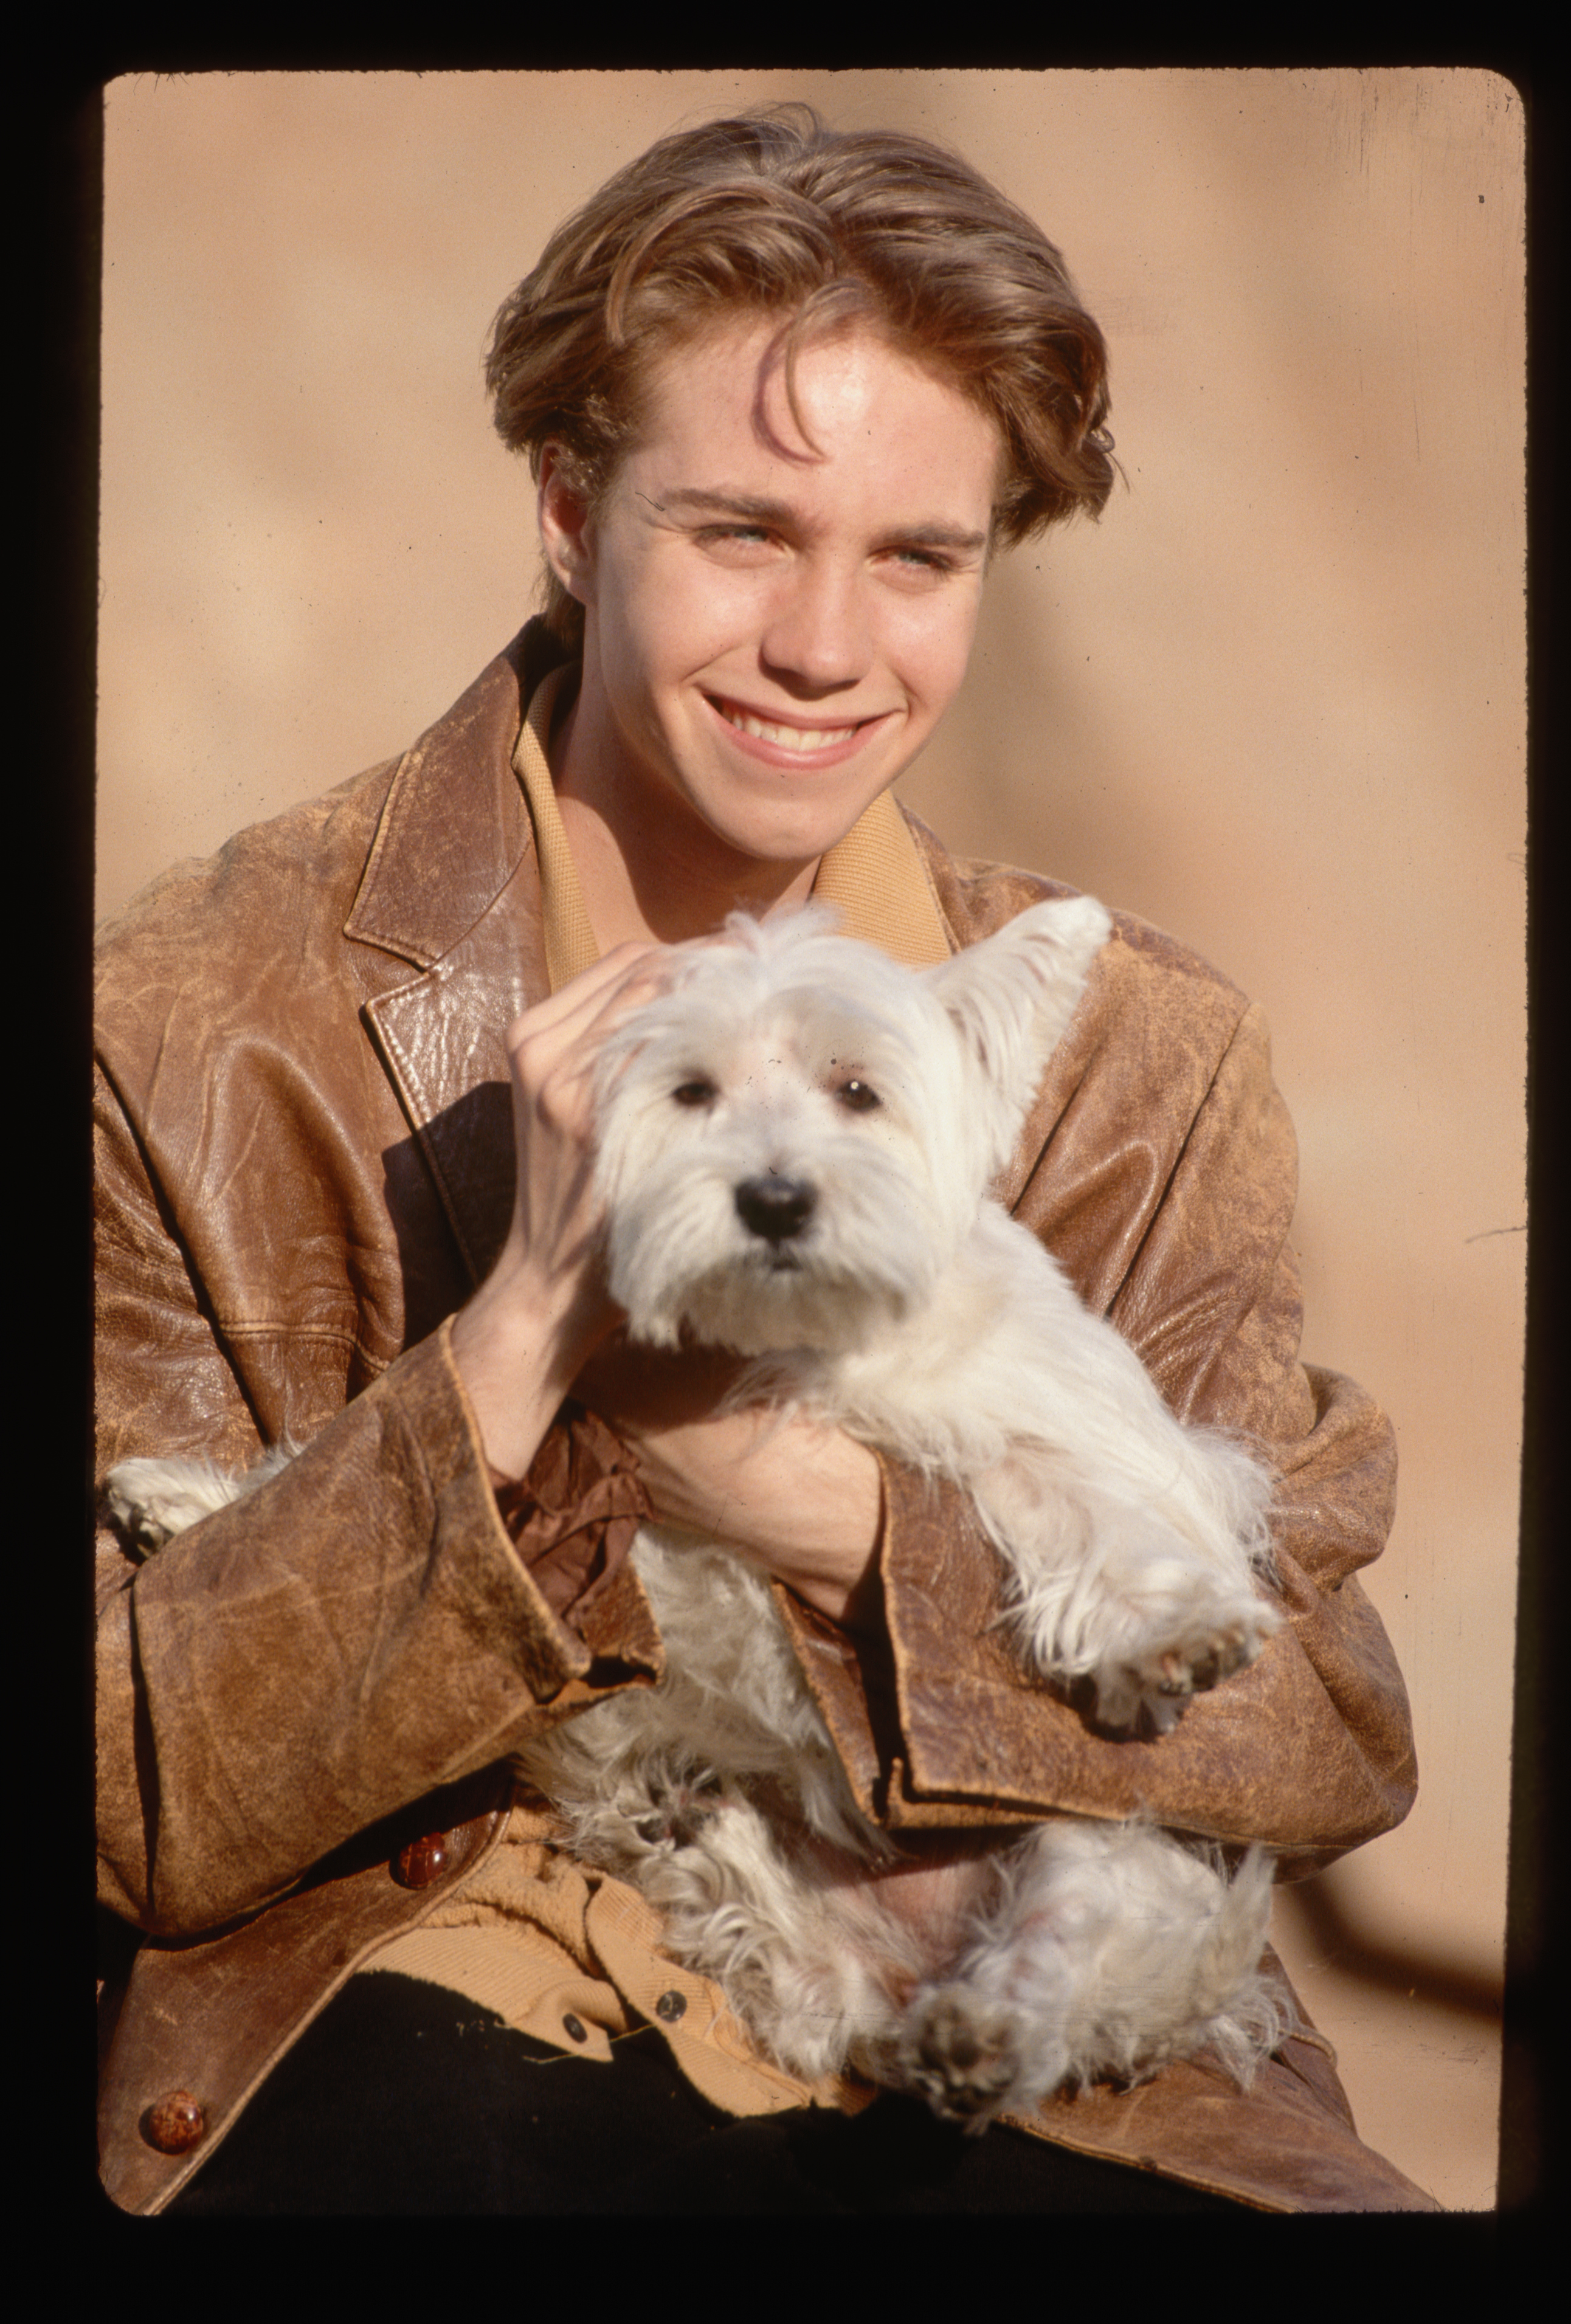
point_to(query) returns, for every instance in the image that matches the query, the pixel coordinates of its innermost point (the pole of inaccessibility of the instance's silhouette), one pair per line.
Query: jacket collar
(455, 828)
(472, 796)
(450, 886)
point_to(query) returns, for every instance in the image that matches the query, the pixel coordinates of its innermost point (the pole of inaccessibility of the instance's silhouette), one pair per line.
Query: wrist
(827, 1551)
(518, 1349)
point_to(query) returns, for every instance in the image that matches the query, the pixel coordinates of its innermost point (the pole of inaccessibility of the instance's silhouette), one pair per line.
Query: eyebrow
(755, 508)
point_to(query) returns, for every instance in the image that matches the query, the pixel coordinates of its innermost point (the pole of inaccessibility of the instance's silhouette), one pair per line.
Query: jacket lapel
(451, 885)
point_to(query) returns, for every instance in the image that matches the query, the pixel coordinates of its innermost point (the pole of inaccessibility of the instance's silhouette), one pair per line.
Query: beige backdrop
(1273, 702)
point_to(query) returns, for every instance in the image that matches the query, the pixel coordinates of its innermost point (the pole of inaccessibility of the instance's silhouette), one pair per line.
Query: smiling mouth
(787, 738)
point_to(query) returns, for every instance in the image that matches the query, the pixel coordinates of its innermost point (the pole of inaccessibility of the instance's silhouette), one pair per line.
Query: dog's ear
(1010, 997)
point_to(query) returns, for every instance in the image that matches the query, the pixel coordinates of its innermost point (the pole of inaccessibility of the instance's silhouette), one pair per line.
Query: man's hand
(798, 1497)
(524, 1337)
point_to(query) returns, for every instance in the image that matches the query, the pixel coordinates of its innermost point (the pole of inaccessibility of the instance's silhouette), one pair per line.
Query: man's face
(773, 631)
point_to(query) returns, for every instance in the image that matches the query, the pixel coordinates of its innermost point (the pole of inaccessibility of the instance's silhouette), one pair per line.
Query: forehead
(718, 411)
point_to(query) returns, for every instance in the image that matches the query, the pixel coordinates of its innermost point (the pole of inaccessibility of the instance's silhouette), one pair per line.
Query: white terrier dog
(796, 1141)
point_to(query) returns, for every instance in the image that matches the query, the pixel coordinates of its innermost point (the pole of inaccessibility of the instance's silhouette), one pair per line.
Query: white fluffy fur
(890, 1297)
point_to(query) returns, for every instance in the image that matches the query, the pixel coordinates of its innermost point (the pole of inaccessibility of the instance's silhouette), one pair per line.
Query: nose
(774, 1206)
(816, 638)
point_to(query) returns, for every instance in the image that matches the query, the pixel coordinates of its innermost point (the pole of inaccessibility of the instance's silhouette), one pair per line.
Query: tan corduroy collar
(875, 876)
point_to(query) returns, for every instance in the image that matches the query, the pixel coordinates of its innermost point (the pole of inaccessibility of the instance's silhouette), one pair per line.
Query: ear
(1010, 999)
(565, 530)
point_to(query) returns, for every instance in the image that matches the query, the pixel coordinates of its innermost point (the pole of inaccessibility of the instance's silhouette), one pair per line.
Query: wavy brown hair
(773, 213)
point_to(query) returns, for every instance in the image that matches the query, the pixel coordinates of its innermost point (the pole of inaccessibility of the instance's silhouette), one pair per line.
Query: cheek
(933, 649)
(639, 638)
(685, 621)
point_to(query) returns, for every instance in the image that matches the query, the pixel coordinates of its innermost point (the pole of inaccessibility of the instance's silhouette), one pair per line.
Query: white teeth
(792, 738)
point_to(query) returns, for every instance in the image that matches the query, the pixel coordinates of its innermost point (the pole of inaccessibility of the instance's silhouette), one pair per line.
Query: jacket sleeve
(338, 1643)
(1167, 1187)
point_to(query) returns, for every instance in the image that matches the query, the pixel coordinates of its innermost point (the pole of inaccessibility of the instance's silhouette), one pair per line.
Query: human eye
(911, 561)
(740, 539)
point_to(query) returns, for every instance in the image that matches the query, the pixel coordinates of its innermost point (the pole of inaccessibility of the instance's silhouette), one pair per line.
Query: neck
(645, 871)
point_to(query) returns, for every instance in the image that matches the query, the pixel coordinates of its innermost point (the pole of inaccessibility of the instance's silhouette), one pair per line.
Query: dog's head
(796, 1135)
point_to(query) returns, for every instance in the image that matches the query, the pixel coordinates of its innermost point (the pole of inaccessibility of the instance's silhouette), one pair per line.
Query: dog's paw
(1150, 1689)
(676, 1818)
(154, 1501)
(961, 2053)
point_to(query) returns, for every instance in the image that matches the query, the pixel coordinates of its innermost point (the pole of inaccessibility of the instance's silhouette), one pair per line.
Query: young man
(783, 393)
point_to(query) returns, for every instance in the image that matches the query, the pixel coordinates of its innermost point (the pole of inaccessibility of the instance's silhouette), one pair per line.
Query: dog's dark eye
(698, 1092)
(858, 1097)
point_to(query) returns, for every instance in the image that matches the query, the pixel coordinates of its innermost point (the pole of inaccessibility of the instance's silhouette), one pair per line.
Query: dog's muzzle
(775, 1207)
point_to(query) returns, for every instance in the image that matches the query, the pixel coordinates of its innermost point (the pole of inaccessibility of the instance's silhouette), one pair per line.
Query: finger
(599, 997)
(562, 1037)
(581, 999)
(554, 1050)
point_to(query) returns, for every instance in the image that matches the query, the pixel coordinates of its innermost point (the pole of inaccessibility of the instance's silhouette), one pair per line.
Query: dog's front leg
(1151, 1600)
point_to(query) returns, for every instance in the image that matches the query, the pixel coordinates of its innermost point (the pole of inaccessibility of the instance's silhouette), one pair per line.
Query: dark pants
(402, 2099)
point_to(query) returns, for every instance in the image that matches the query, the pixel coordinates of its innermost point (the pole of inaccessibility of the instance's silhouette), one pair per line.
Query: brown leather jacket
(304, 1167)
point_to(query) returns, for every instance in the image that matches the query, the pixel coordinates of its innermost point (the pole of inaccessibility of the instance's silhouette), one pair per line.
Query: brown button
(175, 2123)
(574, 2028)
(422, 1861)
(670, 2007)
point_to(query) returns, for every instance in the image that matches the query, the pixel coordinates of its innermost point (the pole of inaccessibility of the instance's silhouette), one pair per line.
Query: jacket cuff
(574, 1518)
(567, 1528)
(937, 1725)
(918, 1714)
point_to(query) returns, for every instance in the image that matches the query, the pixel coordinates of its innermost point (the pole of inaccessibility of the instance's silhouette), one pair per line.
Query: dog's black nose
(775, 1207)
